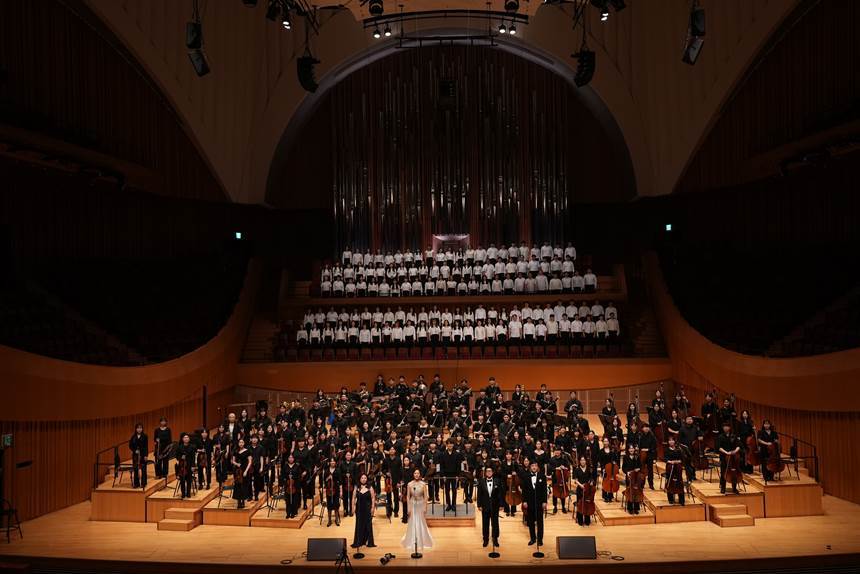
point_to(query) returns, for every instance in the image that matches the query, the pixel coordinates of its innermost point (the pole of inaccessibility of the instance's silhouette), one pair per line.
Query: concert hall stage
(69, 540)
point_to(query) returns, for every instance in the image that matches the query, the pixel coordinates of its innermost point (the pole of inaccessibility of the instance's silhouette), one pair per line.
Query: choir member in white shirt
(577, 282)
(325, 288)
(588, 328)
(446, 332)
(337, 287)
(551, 330)
(613, 330)
(364, 336)
(576, 329)
(346, 256)
(541, 282)
(301, 337)
(540, 332)
(590, 281)
(600, 328)
(528, 332)
(555, 285)
(597, 310)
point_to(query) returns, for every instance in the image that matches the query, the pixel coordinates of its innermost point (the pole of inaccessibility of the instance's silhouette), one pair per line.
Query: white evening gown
(416, 529)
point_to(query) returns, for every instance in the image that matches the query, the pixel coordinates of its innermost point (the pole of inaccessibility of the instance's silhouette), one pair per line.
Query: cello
(513, 494)
(610, 478)
(775, 463)
(674, 478)
(585, 504)
(635, 486)
(561, 484)
(733, 473)
(753, 455)
(699, 459)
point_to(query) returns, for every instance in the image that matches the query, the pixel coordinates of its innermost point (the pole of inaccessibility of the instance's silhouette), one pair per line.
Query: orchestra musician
(648, 446)
(138, 444)
(186, 454)
(449, 465)
(674, 478)
(241, 463)
(767, 437)
(291, 480)
(204, 460)
(582, 476)
(631, 464)
(559, 470)
(727, 446)
(348, 470)
(257, 459)
(332, 484)
(163, 440)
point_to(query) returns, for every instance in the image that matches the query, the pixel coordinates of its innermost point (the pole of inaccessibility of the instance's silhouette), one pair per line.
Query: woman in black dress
(363, 505)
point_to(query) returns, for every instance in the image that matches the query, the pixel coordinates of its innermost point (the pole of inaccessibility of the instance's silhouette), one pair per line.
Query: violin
(635, 486)
(585, 504)
(610, 478)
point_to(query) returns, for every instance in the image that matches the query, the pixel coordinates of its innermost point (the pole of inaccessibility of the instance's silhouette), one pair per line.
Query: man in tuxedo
(491, 496)
(534, 501)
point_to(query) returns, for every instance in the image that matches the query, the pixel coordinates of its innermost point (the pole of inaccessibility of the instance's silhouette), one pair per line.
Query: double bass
(698, 458)
(733, 465)
(561, 484)
(585, 504)
(753, 456)
(513, 494)
(674, 477)
(775, 463)
(610, 478)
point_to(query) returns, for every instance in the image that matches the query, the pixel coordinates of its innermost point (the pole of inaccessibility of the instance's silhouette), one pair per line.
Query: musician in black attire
(558, 462)
(534, 501)
(393, 467)
(687, 435)
(573, 406)
(582, 476)
(491, 496)
(727, 444)
(204, 462)
(291, 479)
(449, 463)
(185, 455)
(507, 470)
(629, 464)
(648, 442)
(429, 459)
(242, 469)
(303, 459)
(332, 483)
(471, 459)
(606, 456)
(766, 437)
(163, 439)
(674, 454)
(348, 472)
(745, 430)
(258, 453)
(138, 444)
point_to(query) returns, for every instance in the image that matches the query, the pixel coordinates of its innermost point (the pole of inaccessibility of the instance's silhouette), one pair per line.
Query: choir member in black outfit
(163, 439)
(674, 454)
(204, 463)
(491, 497)
(138, 444)
(258, 454)
(348, 471)
(727, 444)
(332, 484)
(450, 462)
(648, 443)
(186, 454)
(766, 437)
(393, 467)
(242, 464)
(534, 501)
(581, 477)
(628, 465)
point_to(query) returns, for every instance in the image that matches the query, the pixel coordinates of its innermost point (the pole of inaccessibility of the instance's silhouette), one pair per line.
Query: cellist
(727, 445)
(766, 437)
(509, 470)
(291, 478)
(582, 476)
(628, 465)
(674, 478)
(347, 470)
(746, 429)
(605, 457)
(186, 454)
(559, 470)
(332, 482)
(648, 452)
(687, 436)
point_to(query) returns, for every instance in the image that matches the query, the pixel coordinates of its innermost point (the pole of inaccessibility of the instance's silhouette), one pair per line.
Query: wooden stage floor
(68, 537)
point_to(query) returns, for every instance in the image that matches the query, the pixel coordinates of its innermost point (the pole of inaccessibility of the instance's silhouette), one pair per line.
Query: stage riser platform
(277, 518)
(465, 517)
(160, 502)
(122, 504)
(790, 497)
(665, 513)
(228, 514)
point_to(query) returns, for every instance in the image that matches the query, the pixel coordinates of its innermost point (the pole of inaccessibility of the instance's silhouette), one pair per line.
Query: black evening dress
(363, 523)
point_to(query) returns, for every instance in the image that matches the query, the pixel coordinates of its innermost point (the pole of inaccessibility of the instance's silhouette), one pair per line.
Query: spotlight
(387, 31)
(512, 5)
(502, 28)
(376, 33)
(513, 29)
(584, 67)
(273, 10)
(288, 25)
(604, 16)
(305, 69)
(376, 8)
(603, 6)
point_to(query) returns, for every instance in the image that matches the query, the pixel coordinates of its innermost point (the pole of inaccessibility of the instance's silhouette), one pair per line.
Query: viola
(674, 477)
(635, 486)
(774, 459)
(585, 504)
(561, 484)
(610, 478)
(513, 495)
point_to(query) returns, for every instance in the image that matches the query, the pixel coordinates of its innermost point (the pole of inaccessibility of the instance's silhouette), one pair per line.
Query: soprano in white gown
(417, 530)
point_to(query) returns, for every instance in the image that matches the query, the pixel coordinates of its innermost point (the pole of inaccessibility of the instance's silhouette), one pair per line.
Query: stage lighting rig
(512, 5)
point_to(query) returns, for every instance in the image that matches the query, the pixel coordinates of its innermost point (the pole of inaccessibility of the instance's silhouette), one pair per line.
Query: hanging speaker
(305, 68)
(692, 48)
(193, 35)
(199, 61)
(697, 21)
(585, 64)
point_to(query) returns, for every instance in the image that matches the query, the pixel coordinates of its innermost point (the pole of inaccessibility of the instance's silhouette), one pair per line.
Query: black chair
(8, 512)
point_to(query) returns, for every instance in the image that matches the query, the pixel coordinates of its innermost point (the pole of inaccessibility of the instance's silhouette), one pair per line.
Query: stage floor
(70, 535)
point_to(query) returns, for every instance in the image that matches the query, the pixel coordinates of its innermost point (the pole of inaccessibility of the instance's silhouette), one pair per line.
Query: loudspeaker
(325, 549)
(576, 547)
(692, 49)
(305, 70)
(697, 22)
(199, 61)
(193, 35)
(585, 64)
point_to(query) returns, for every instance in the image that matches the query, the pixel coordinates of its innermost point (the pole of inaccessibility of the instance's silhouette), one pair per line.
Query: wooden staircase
(259, 342)
(181, 519)
(729, 515)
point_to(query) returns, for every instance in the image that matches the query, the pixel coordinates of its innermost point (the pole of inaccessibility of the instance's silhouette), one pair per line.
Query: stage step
(177, 525)
(180, 519)
(733, 520)
(724, 510)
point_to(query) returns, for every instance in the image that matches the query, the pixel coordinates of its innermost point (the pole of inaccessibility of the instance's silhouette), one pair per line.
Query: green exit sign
(7, 441)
